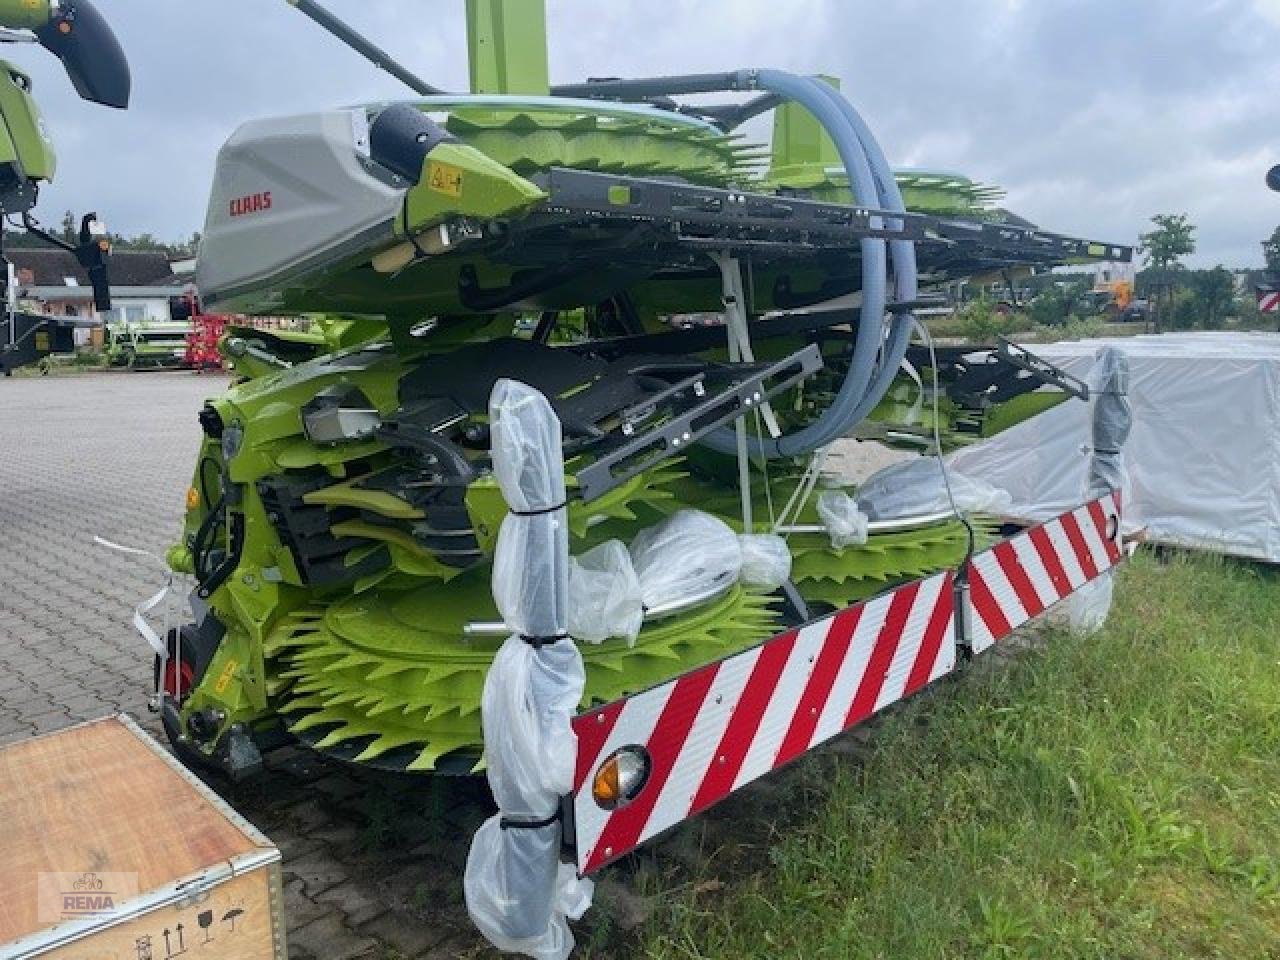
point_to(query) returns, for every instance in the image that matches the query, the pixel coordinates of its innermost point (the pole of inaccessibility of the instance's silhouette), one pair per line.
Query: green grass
(1111, 797)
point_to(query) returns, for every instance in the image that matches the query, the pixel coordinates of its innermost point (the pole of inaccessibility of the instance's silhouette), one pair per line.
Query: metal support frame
(734, 300)
(1042, 370)
(642, 451)
(689, 219)
(507, 46)
(738, 214)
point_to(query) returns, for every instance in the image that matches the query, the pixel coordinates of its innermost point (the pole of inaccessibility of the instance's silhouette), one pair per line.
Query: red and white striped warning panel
(712, 731)
(1020, 578)
(1268, 300)
(689, 743)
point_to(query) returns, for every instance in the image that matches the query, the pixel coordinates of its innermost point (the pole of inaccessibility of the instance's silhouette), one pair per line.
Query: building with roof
(142, 284)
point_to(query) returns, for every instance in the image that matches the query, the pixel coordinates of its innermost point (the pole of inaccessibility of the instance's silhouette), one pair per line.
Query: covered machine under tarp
(1204, 457)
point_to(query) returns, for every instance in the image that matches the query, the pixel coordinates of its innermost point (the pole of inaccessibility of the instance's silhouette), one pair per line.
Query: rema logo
(67, 896)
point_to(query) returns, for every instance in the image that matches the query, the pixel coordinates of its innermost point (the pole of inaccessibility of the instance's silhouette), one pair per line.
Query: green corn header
(630, 255)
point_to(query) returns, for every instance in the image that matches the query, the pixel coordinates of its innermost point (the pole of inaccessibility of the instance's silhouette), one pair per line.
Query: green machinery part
(389, 675)
(394, 671)
(76, 33)
(340, 571)
(805, 161)
(904, 420)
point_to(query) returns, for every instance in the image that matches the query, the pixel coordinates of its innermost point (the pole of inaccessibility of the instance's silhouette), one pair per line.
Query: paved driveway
(372, 865)
(84, 456)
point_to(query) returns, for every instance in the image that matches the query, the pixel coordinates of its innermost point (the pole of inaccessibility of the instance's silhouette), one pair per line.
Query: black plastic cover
(82, 39)
(402, 136)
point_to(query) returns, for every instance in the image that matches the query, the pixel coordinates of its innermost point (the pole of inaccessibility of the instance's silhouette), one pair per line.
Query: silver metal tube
(659, 86)
(361, 45)
(496, 628)
(900, 525)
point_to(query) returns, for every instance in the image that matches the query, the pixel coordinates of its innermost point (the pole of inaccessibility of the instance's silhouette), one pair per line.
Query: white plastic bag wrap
(604, 595)
(766, 560)
(1112, 421)
(1087, 609)
(518, 893)
(688, 558)
(846, 524)
(915, 488)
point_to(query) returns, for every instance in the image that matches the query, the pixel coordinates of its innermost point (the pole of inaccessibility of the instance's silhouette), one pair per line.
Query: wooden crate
(111, 850)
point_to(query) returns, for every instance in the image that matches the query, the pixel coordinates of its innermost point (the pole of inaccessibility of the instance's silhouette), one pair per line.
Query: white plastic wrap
(1087, 609)
(683, 560)
(1202, 465)
(1112, 421)
(689, 557)
(846, 524)
(766, 560)
(604, 595)
(518, 894)
(915, 488)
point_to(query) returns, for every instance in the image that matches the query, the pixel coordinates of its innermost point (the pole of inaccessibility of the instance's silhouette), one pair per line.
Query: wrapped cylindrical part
(689, 556)
(916, 487)
(1112, 420)
(845, 523)
(517, 892)
(605, 595)
(684, 562)
(766, 560)
(1087, 609)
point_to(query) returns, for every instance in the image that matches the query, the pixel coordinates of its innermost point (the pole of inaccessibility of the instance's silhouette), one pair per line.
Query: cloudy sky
(1093, 114)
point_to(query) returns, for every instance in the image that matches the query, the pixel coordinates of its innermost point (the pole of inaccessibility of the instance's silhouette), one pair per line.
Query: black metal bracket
(729, 217)
(1020, 240)
(641, 451)
(1041, 369)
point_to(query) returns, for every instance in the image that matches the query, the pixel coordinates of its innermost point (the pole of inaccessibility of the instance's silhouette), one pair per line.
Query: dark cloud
(1093, 114)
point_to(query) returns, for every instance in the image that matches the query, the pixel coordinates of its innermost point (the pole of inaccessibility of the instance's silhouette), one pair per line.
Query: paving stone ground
(372, 863)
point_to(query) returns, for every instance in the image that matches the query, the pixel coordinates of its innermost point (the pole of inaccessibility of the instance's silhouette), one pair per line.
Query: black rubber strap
(539, 642)
(507, 823)
(538, 513)
(408, 231)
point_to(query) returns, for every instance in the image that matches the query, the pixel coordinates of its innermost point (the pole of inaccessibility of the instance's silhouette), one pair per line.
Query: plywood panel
(234, 922)
(97, 798)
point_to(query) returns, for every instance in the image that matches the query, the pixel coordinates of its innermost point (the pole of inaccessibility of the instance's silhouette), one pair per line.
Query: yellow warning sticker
(228, 674)
(444, 178)
(42, 342)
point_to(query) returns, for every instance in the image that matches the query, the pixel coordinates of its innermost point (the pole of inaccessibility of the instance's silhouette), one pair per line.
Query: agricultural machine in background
(75, 32)
(705, 316)
(145, 344)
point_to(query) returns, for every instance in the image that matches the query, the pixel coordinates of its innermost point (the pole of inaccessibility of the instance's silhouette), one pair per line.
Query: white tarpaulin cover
(1203, 459)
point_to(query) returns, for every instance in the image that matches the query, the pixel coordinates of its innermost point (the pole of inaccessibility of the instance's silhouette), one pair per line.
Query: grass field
(1112, 797)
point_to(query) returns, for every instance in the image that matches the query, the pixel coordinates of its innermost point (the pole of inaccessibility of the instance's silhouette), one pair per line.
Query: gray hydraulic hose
(903, 252)
(906, 281)
(888, 197)
(837, 420)
(863, 385)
